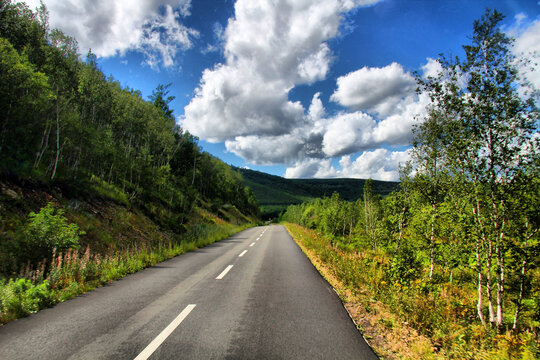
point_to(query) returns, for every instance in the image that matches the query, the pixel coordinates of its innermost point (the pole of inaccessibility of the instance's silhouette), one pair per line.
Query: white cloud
(316, 109)
(235, 101)
(396, 129)
(527, 48)
(374, 89)
(348, 133)
(380, 164)
(266, 150)
(112, 28)
(432, 68)
(269, 47)
(311, 168)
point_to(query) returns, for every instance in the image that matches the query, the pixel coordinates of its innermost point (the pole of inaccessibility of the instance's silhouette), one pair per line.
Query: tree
(488, 139)
(370, 212)
(160, 100)
(24, 99)
(429, 156)
(49, 230)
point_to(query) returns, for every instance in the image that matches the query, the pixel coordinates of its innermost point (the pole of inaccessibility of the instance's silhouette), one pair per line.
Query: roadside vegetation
(454, 254)
(71, 270)
(96, 182)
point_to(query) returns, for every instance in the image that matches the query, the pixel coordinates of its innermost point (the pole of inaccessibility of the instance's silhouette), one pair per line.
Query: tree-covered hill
(74, 138)
(61, 119)
(275, 193)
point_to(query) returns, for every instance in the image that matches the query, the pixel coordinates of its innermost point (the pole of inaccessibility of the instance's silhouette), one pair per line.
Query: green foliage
(483, 136)
(108, 190)
(65, 126)
(405, 266)
(24, 98)
(62, 120)
(456, 248)
(21, 297)
(49, 229)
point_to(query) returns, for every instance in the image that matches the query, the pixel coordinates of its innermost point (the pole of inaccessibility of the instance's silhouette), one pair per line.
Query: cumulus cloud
(432, 68)
(311, 168)
(304, 141)
(374, 89)
(266, 150)
(379, 164)
(112, 28)
(527, 47)
(314, 137)
(270, 47)
(348, 133)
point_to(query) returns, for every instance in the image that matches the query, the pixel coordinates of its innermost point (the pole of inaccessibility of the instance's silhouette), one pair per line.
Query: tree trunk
(479, 304)
(432, 240)
(500, 282)
(521, 290)
(57, 136)
(194, 168)
(483, 239)
(488, 284)
(44, 144)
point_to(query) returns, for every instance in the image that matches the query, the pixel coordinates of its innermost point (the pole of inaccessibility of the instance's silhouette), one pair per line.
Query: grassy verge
(408, 322)
(77, 271)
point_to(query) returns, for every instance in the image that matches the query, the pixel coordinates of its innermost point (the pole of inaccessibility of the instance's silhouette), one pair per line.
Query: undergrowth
(416, 319)
(76, 271)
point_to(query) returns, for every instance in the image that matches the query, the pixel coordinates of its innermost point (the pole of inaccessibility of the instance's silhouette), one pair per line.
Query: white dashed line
(242, 253)
(224, 272)
(251, 244)
(149, 350)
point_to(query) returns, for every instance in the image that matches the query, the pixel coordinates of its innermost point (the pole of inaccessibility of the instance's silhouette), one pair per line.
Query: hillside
(275, 193)
(95, 181)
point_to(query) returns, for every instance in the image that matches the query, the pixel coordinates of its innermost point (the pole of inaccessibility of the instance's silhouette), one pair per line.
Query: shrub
(20, 297)
(48, 230)
(405, 266)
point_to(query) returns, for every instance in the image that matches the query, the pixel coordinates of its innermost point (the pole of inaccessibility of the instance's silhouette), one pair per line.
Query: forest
(76, 145)
(275, 193)
(455, 251)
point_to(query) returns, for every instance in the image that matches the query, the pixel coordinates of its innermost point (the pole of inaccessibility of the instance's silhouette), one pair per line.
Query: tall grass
(74, 272)
(443, 313)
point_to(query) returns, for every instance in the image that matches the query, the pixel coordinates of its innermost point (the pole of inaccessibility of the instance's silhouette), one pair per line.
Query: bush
(48, 230)
(20, 297)
(405, 266)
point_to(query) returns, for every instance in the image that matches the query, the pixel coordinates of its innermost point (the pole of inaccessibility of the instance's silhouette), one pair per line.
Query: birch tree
(488, 139)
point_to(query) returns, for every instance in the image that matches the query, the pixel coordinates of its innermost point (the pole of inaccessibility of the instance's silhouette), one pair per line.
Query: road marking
(242, 253)
(251, 244)
(258, 238)
(224, 272)
(149, 350)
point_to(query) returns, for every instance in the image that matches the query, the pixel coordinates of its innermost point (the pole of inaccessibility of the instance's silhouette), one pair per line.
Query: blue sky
(296, 88)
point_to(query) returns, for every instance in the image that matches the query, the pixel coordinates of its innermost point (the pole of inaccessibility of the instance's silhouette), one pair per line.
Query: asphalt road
(252, 296)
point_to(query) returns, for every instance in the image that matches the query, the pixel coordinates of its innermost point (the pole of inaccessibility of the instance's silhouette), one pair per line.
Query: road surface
(252, 296)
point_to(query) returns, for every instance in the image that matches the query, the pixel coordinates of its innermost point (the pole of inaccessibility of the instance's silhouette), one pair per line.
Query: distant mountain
(275, 193)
